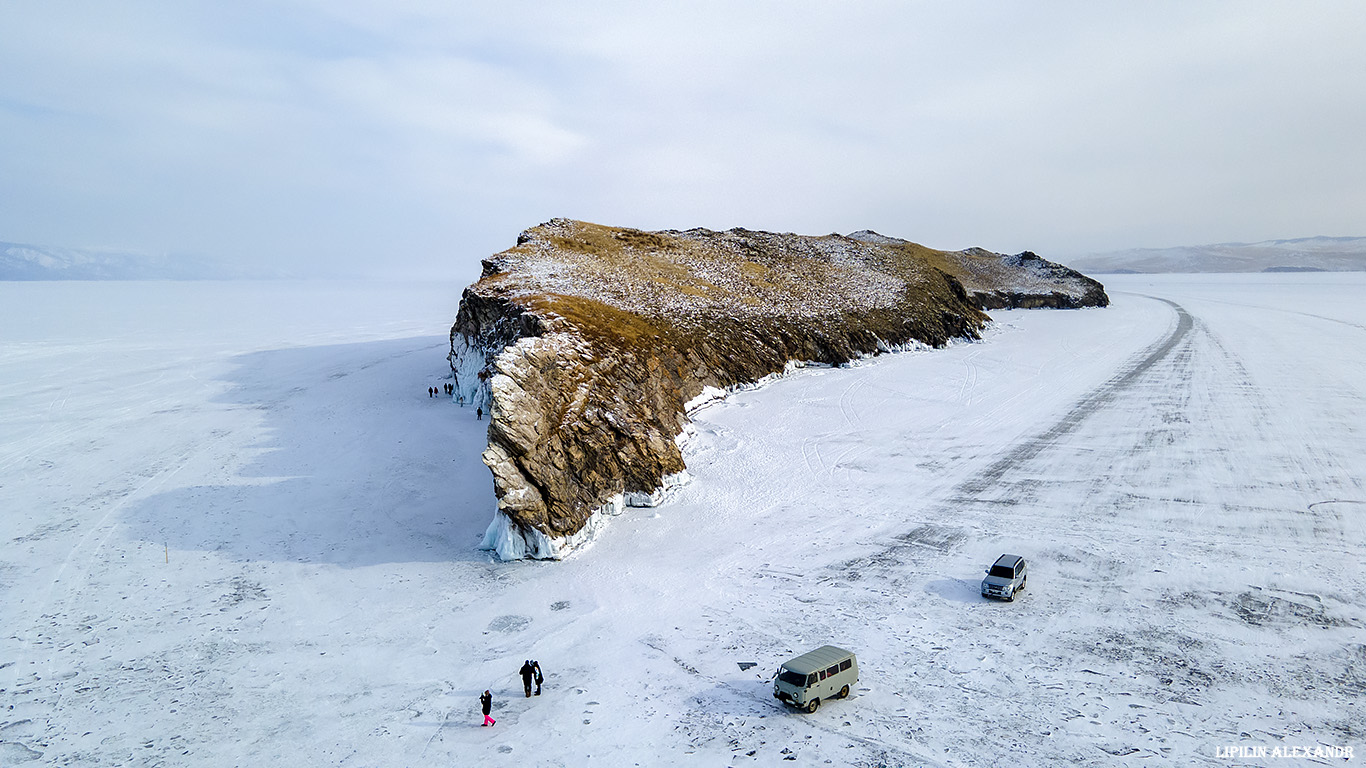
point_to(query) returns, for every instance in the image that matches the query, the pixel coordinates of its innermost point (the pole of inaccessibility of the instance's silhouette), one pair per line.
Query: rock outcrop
(586, 344)
(1024, 281)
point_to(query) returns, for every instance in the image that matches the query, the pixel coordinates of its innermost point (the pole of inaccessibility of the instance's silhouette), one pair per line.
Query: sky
(413, 138)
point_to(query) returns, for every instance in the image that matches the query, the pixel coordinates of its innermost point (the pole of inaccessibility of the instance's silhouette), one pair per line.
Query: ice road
(236, 530)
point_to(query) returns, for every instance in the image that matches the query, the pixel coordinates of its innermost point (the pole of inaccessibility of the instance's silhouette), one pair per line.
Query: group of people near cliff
(449, 390)
(530, 672)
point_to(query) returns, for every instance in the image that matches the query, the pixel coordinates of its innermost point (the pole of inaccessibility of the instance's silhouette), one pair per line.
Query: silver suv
(1005, 577)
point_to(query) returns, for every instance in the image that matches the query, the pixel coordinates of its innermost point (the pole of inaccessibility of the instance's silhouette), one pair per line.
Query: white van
(825, 673)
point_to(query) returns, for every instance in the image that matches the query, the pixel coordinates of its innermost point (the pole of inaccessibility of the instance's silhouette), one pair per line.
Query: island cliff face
(586, 345)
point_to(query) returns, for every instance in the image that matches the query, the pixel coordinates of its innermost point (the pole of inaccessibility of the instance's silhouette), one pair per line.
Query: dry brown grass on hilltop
(631, 325)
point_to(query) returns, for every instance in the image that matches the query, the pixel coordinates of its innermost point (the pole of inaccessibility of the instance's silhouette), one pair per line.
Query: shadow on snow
(343, 458)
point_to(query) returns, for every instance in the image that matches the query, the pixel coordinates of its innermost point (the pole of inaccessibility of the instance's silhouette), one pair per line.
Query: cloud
(417, 136)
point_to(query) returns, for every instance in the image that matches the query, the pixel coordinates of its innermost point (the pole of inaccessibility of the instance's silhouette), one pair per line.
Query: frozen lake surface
(236, 530)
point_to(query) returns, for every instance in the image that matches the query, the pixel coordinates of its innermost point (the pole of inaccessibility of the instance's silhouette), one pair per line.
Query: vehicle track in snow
(1137, 508)
(1313, 315)
(1088, 405)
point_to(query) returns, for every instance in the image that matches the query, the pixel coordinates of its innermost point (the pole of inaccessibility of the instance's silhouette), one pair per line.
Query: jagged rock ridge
(586, 344)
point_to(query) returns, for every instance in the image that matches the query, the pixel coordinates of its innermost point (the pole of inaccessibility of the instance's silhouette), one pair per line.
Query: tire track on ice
(942, 538)
(1088, 405)
(846, 406)
(1184, 407)
(1265, 308)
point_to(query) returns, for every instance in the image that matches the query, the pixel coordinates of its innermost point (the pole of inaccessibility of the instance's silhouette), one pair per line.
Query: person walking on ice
(536, 668)
(479, 413)
(486, 700)
(528, 672)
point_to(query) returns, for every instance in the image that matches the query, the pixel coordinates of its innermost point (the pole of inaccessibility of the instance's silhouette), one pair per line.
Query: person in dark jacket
(528, 672)
(486, 700)
(479, 413)
(536, 668)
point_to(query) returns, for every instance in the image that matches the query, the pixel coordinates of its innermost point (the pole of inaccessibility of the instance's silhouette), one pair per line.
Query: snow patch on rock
(509, 541)
(668, 485)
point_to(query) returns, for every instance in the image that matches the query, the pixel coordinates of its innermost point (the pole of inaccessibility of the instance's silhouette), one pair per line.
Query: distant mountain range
(1306, 254)
(36, 262)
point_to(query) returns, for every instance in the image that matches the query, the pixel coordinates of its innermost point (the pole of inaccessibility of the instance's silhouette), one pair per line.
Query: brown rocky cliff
(585, 343)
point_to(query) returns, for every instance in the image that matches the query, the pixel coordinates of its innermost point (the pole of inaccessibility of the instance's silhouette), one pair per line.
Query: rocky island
(588, 345)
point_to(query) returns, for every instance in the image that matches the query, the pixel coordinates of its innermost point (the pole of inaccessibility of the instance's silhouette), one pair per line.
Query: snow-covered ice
(236, 530)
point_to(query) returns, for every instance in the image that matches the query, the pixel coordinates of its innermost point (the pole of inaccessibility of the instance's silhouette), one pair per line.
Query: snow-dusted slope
(587, 342)
(232, 537)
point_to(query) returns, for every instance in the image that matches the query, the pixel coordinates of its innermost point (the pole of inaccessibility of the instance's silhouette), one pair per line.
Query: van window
(792, 678)
(835, 670)
(822, 674)
(847, 663)
(812, 679)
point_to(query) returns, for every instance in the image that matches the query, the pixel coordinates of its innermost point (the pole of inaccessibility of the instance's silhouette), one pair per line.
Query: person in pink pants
(487, 701)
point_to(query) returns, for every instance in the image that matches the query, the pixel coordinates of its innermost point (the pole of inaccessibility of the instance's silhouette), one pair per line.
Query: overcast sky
(415, 138)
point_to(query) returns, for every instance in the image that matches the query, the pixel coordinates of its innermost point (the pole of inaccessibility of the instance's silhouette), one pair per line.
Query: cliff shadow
(330, 454)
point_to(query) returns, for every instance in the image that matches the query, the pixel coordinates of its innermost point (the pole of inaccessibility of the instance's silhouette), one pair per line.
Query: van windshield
(792, 678)
(1004, 571)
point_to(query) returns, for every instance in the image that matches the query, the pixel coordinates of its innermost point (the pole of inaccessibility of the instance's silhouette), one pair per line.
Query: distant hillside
(35, 262)
(1306, 254)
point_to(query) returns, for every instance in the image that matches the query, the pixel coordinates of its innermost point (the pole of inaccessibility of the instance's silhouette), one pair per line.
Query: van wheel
(844, 692)
(813, 705)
